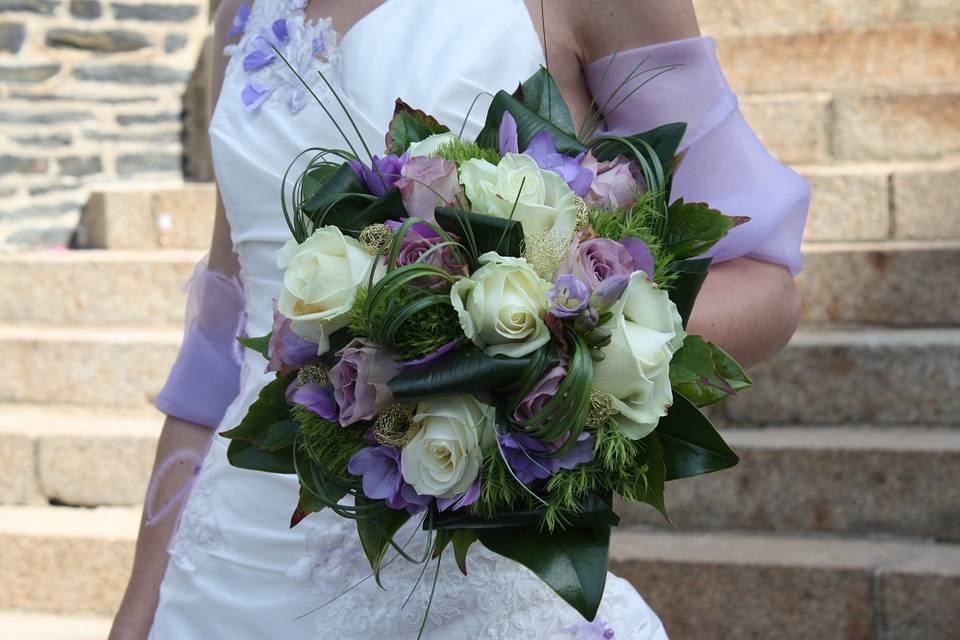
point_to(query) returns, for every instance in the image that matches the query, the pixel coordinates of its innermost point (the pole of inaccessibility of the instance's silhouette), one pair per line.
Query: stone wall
(94, 92)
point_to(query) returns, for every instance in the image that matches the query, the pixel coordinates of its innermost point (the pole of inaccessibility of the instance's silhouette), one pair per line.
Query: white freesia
(320, 280)
(647, 331)
(544, 205)
(502, 306)
(430, 144)
(444, 456)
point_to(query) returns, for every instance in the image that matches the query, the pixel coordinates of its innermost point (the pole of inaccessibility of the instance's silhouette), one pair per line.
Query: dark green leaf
(482, 233)
(461, 370)
(462, 539)
(704, 373)
(664, 139)
(410, 125)
(691, 446)
(269, 408)
(260, 345)
(529, 124)
(573, 562)
(656, 474)
(307, 504)
(693, 227)
(340, 195)
(376, 532)
(595, 511)
(279, 435)
(352, 221)
(338, 340)
(247, 455)
(540, 94)
(685, 287)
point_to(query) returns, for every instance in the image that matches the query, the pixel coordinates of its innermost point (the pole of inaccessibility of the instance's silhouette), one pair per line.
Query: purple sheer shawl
(725, 164)
(205, 378)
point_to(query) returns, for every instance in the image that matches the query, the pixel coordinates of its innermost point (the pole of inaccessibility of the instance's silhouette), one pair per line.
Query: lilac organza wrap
(725, 164)
(205, 379)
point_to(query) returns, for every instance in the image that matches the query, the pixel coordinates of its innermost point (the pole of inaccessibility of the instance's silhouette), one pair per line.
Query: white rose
(320, 282)
(502, 305)
(545, 204)
(430, 144)
(444, 457)
(647, 331)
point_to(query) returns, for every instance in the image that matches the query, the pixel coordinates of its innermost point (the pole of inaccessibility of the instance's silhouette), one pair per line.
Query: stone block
(793, 127)
(28, 73)
(132, 74)
(881, 377)
(19, 164)
(927, 201)
(882, 126)
(174, 42)
(127, 119)
(44, 117)
(47, 140)
(80, 165)
(11, 36)
(110, 41)
(848, 203)
(129, 164)
(739, 16)
(919, 595)
(185, 218)
(899, 284)
(155, 12)
(44, 7)
(17, 474)
(85, 9)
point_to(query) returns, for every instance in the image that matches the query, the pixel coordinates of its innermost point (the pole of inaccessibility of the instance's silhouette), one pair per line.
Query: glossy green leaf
(261, 345)
(572, 562)
(693, 227)
(595, 511)
(529, 124)
(656, 474)
(351, 221)
(691, 445)
(339, 196)
(307, 504)
(279, 435)
(664, 139)
(480, 233)
(704, 373)
(246, 455)
(462, 539)
(377, 532)
(269, 408)
(683, 291)
(460, 371)
(540, 94)
(410, 125)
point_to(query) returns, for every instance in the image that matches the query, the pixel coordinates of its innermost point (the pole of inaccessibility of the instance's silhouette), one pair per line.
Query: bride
(229, 565)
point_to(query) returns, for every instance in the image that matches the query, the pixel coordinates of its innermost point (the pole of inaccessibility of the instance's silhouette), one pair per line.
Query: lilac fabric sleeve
(724, 164)
(205, 378)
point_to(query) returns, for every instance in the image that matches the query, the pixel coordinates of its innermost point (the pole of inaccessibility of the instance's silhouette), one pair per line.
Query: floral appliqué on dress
(272, 27)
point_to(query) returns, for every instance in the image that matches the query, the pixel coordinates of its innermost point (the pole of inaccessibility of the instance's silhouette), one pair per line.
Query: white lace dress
(237, 569)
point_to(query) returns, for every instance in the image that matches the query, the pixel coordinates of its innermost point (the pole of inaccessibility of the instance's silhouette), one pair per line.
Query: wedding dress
(237, 570)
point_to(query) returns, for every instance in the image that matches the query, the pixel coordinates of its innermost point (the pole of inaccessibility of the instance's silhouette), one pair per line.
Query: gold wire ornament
(313, 373)
(375, 237)
(583, 219)
(392, 427)
(601, 409)
(545, 251)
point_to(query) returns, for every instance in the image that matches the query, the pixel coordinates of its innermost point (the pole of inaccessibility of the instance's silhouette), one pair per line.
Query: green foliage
(529, 124)
(269, 408)
(261, 345)
(327, 444)
(462, 150)
(688, 276)
(693, 227)
(540, 94)
(376, 532)
(691, 445)
(410, 125)
(663, 141)
(705, 373)
(499, 490)
(481, 233)
(640, 220)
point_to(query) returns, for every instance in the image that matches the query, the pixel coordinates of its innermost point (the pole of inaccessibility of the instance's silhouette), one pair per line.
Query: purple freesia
(380, 469)
(606, 294)
(360, 382)
(427, 183)
(642, 257)
(568, 297)
(465, 499)
(544, 152)
(530, 458)
(541, 393)
(382, 176)
(314, 397)
(507, 139)
(287, 350)
(240, 20)
(597, 259)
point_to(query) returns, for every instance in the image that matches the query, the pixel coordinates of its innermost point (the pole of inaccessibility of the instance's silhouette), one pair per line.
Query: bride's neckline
(343, 35)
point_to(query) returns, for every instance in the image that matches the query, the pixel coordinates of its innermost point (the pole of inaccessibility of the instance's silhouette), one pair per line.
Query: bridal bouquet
(488, 335)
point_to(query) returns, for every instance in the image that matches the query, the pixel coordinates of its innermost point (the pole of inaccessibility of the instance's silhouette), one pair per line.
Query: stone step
(95, 287)
(704, 586)
(882, 377)
(19, 625)
(883, 283)
(836, 479)
(92, 366)
(731, 585)
(874, 56)
(76, 457)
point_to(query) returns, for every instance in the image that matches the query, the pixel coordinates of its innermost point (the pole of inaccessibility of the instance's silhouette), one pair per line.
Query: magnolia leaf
(246, 455)
(269, 408)
(307, 504)
(572, 562)
(351, 221)
(462, 539)
(261, 345)
(691, 445)
(664, 139)
(540, 94)
(656, 474)
(377, 531)
(340, 195)
(279, 435)
(704, 373)
(693, 227)
(481, 233)
(594, 511)
(529, 124)
(461, 371)
(685, 287)
(410, 125)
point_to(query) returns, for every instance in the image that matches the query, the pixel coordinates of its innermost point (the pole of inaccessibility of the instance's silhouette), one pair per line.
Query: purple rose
(380, 469)
(540, 394)
(613, 183)
(568, 297)
(530, 458)
(287, 350)
(383, 176)
(315, 398)
(543, 150)
(428, 183)
(360, 382)
(595, 260)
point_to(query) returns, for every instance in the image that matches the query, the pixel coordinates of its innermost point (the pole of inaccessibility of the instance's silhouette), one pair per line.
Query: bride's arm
(135, 615)
(749, 303)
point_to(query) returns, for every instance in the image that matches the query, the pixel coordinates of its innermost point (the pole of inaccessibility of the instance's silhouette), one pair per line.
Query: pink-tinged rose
(428, 183)
(595, 260)
(540, 394)
(360, 382)
(420, 246)
(614, 185)
(287, 350)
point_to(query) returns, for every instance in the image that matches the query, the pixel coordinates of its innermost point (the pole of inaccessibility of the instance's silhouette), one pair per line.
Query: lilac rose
(540, 394)
(593, 261)
(614, 184)
(427, 183)
(380, 469)
(360, 382)
(287, 350)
